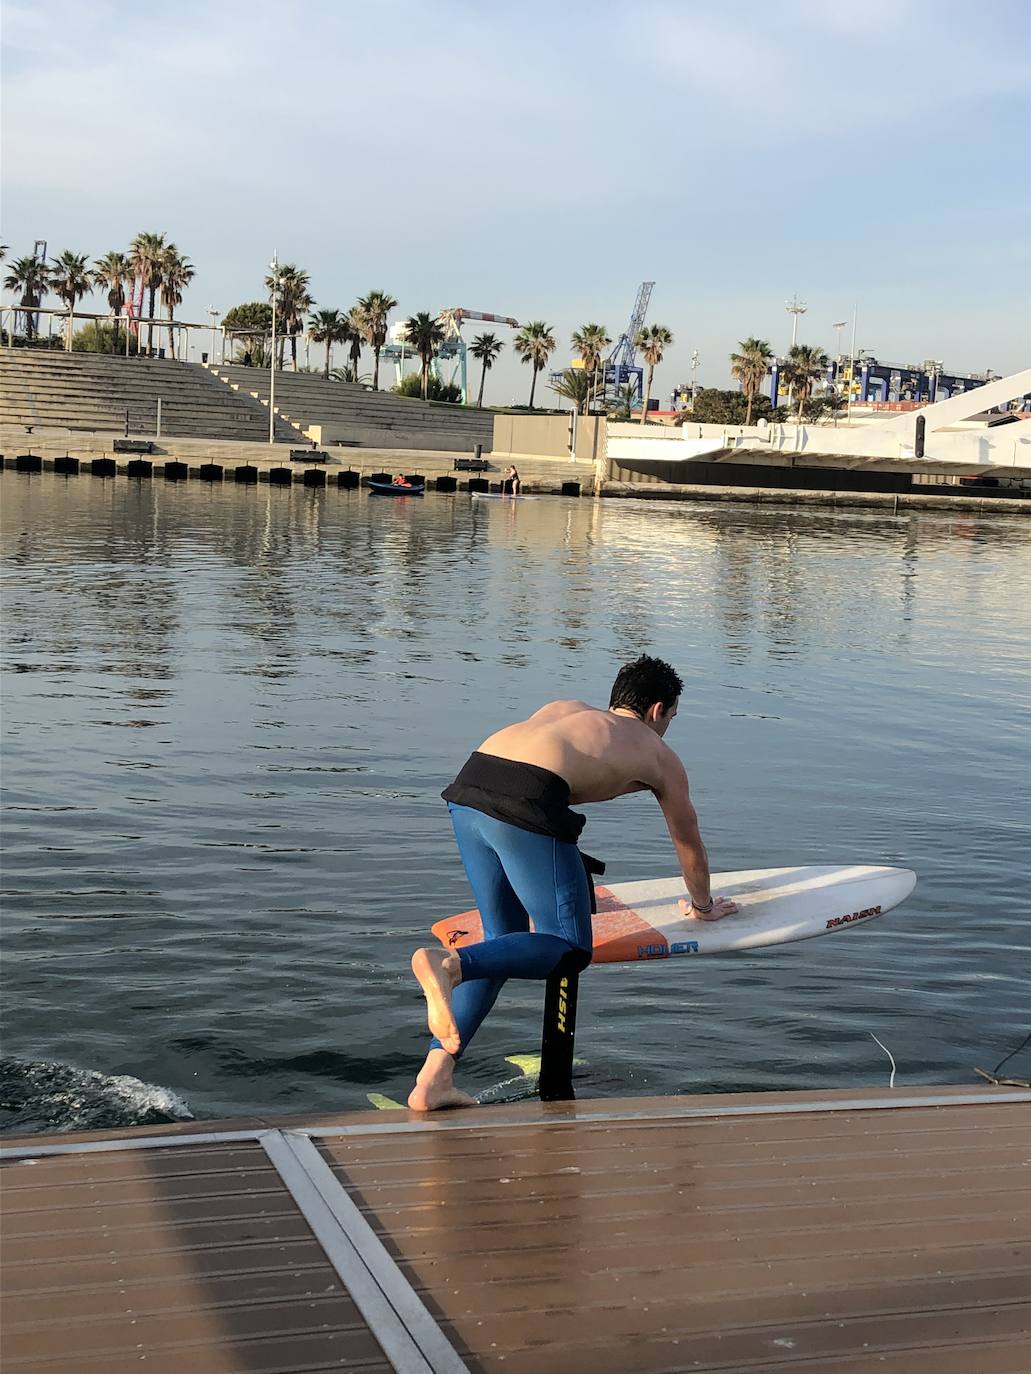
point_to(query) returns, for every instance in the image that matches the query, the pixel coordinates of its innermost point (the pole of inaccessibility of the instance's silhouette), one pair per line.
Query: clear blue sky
(541, 160)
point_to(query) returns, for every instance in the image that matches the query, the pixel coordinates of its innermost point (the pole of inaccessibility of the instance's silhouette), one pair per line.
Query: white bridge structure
(962, 435)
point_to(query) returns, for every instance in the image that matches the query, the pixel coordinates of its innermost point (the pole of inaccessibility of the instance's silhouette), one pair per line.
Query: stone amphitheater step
(89, 391)
(348, 412)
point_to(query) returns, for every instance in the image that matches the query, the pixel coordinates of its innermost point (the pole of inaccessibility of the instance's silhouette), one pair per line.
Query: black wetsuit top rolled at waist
(521, 794)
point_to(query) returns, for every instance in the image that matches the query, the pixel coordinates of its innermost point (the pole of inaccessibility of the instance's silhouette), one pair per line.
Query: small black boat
(397, 488)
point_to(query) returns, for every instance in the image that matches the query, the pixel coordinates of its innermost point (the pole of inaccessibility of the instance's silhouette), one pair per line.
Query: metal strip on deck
(408, 1334)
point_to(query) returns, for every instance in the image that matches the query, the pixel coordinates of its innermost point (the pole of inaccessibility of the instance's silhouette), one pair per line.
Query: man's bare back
(601, 754)
(604, 754)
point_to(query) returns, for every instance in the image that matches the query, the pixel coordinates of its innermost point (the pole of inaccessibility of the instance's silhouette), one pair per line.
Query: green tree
(99, 337)
(145, 253)
(485, 349)
(750, 366)
(70, 280)
(30, 276)
(436, 390)
(535, 344)
(177, 272)
(249, 325)
(713, 406)
(805, 365)
(652, 342)
(576, 385)
(328, 327)
(113, 273)
(373, 312)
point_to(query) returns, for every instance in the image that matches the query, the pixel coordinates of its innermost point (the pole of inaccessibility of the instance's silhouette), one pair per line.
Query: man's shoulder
(554, 710)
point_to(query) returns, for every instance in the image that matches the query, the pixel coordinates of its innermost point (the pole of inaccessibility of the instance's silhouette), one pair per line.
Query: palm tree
(750, 367)
(30, 276)
(328, 327)
(70, 280)
(425, 335)
(805, 364)
(145, 254)
(486, 348)
(590, 341)
(575, 384)
(373, 311)
(293, 299)
(652, 341)
(621, 407)
(355, 339)
(114, 271)
(535, 344)
(176, 274)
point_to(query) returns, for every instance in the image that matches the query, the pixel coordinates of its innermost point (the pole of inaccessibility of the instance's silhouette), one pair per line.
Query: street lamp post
(274, 265)
(214, 316)
(694, 369)
(852, 365)
(795, 307)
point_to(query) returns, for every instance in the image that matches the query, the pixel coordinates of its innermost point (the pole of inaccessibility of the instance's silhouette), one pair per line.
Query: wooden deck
(832, 1233)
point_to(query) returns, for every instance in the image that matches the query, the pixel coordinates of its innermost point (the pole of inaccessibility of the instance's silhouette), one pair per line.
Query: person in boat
(400, 480)
(517, 837)
(510, 482)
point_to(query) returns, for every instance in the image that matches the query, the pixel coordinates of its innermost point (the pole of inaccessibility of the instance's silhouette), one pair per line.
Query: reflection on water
(229, 715)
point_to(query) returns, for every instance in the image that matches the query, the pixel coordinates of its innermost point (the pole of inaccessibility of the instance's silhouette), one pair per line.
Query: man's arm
(673, 796)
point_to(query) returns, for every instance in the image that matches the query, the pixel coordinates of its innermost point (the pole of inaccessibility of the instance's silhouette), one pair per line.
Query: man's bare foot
(721, 906)
(435, 1087)
(435, 1099)
(438, 973)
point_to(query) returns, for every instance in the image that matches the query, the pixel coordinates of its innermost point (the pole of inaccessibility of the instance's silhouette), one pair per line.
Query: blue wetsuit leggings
(516, 874)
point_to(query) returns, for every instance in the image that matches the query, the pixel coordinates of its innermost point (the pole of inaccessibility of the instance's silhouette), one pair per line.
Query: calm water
(229, 714)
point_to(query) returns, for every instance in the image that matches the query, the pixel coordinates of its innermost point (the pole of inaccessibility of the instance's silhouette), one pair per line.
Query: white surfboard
(642, 920)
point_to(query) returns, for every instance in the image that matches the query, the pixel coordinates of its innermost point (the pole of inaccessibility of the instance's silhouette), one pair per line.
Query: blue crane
(620, 365)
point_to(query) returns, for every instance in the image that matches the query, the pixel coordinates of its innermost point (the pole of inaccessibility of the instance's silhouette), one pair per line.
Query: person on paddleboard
(517, 837)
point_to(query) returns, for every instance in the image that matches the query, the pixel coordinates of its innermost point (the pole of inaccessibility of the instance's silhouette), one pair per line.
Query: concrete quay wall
(193, 459)
(539, 474)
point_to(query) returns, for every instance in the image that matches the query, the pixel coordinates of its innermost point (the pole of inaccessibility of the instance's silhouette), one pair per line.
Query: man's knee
(575, 960)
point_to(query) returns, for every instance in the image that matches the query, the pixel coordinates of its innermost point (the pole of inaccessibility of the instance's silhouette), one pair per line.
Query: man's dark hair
(642, 683)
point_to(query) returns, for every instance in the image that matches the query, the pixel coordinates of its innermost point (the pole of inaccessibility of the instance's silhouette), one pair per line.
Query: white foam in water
(61, 1097)
(148, 1097)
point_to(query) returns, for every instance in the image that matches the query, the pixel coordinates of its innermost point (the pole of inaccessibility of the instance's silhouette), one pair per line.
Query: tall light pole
(852, 365)
(694, 369)
(214, 316)
(274, 265)
(839, 325)
(795, 307)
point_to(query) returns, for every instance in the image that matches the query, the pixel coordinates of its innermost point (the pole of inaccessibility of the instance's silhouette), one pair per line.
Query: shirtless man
(517, 838)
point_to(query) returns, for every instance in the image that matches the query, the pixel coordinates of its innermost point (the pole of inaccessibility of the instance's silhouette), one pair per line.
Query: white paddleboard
(499, 496)
(642, 920)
